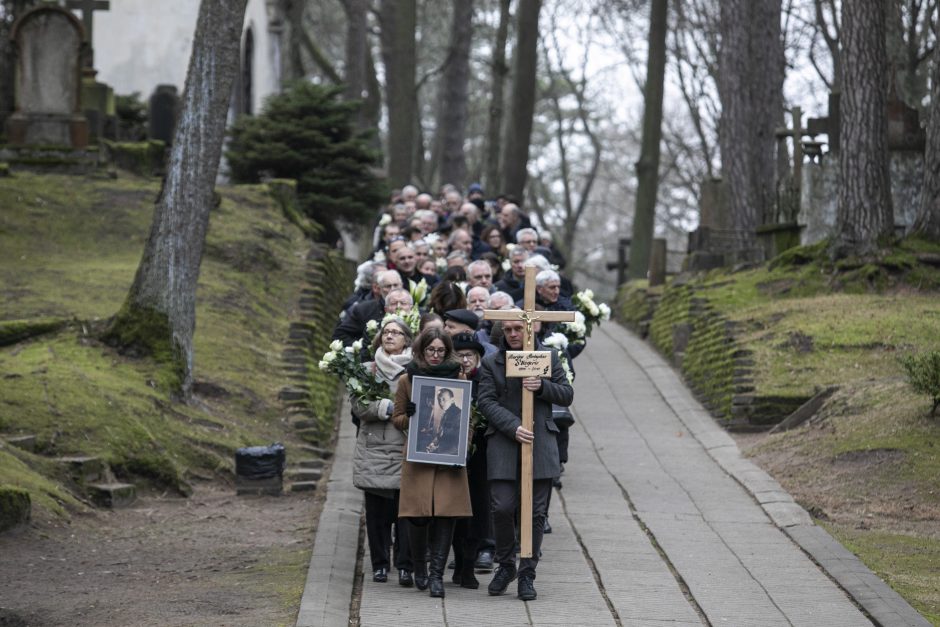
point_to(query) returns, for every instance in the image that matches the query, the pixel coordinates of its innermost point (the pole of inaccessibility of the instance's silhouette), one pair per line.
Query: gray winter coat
(379, 445)
(500, 400)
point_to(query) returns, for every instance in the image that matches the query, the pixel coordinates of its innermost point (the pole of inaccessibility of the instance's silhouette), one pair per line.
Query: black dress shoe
(547, 526)
(484, 560)
(405, 578)
(380, 575)
(526, 588)
(501, 580)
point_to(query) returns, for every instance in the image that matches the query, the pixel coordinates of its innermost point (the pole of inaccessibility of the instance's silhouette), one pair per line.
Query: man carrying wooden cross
(522, 452)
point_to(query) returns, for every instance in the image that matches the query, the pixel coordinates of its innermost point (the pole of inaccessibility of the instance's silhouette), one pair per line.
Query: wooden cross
(528, 315)
(88, 7)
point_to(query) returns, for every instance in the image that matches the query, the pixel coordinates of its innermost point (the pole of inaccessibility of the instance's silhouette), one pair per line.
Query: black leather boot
(467, 578)
(419, 545)
(441, 532)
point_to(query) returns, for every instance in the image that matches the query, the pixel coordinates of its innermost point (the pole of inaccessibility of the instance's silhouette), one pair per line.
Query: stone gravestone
(162, 112)
(715, 233)
(48, 45)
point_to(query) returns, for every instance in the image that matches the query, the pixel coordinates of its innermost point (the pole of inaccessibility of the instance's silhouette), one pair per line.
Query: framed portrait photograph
(440, 425)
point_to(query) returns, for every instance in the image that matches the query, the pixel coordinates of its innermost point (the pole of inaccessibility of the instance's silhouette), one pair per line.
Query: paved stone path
(660, 522)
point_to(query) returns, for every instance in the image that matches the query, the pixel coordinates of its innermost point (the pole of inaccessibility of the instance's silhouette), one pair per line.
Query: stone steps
(112, 495)
(24, 442)
(83, 469)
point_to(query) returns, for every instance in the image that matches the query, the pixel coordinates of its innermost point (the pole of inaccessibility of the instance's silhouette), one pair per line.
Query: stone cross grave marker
(88, 7)
(48, 41)
(523, 367)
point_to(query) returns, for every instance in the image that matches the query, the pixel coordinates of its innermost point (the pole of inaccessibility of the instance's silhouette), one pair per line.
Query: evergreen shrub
(923, 374)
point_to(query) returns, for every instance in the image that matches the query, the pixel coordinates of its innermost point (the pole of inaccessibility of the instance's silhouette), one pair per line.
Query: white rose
(379, 257)
(349, 350)
(357, 345)
(324, 365)
(595, 312)
(605, 311)
(506, 265)
(372, 325)
(354, 384)
(385, 219)
(336, 346)
(588, 294)
(329, 357)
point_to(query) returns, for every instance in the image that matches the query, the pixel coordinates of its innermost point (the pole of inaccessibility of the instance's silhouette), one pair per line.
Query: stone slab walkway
(660, 522)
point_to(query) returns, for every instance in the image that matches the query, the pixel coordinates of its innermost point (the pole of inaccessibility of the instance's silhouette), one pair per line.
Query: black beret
(464, 316)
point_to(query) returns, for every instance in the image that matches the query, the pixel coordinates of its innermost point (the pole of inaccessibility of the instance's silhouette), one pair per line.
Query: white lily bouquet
(419, 292)
(593, 313)
(559, 341)
(344, 362)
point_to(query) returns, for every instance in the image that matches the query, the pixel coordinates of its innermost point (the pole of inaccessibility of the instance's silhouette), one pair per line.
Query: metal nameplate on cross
(528, 315)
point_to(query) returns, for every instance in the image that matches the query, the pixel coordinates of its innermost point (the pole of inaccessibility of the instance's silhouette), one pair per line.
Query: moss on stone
(144, 158)
(15, 507)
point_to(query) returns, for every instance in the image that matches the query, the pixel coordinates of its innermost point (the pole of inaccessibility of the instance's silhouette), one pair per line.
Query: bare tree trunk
(159, 315)
(498, 81)
(398, 20)
(750, 84)
(864, 213)
(522, 106)
(294, 10)
(647, 168)
(356, 48)
(927, 223)
(452, 120)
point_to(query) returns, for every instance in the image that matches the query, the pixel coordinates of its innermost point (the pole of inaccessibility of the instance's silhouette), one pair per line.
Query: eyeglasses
(430, 350)
(392, 333)
(466, 356)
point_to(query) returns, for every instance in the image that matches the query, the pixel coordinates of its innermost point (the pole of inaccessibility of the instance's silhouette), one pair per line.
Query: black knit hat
(466, 340)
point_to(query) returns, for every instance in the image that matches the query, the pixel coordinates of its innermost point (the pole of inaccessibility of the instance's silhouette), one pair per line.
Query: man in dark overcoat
(500, 401)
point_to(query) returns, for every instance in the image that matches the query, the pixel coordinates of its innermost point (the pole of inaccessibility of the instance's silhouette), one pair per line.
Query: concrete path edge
(330, 577)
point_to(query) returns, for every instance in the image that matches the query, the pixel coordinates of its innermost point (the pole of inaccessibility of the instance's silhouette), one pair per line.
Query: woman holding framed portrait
(433, 495)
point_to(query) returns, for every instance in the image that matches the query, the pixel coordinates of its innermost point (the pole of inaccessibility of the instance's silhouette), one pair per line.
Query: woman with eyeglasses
(378, 456)
(433, 497)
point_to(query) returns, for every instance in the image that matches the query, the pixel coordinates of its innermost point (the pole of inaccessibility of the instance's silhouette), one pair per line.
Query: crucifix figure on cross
(528, 363)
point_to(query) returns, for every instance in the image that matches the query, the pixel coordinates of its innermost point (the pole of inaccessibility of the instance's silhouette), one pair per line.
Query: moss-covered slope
(69, 247)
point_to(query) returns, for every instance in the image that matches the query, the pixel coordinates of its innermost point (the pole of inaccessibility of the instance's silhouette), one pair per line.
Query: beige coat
(428, 489)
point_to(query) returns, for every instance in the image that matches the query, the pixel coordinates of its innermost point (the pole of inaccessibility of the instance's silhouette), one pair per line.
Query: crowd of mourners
(438, 262)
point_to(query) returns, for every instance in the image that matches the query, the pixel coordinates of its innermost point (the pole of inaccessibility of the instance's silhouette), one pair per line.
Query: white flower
(378, 257)
(506, 265)
(357, 345)
(371, 326)
(336, 346)
(605, 311)
(354, 384)
(431, 238)
(329, 357)
(324, 365)
(385, 219)
(349, 350)
(557, 340)
(595, 312)
(579, 318)
(510, 246)
(588, 294)
(441, 263)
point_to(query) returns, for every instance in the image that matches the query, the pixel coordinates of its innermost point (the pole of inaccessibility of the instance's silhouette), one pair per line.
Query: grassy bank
(756, 343)
(69, 247)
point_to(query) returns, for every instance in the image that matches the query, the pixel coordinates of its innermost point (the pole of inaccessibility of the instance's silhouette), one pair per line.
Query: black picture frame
(440, 427)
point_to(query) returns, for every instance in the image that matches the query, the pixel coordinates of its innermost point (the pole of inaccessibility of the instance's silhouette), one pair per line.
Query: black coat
(500, 400)
(353, 326)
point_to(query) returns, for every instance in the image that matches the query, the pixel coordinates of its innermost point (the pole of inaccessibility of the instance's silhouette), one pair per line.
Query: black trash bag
(260, 462)
(562, 416)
